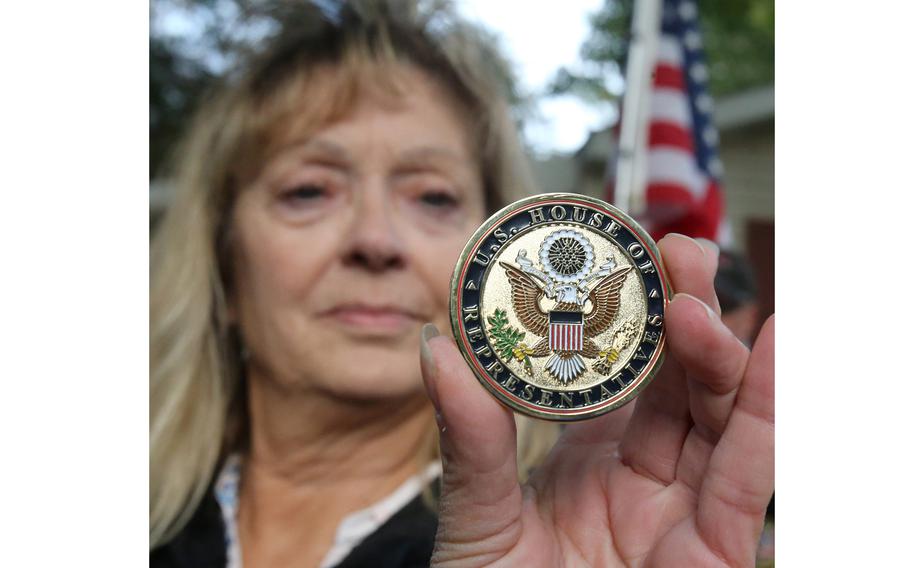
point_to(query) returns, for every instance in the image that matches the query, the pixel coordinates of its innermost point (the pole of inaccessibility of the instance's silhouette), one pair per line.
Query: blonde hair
(197, 404)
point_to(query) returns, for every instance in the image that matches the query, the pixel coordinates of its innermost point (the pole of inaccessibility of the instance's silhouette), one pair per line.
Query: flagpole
(631, 166)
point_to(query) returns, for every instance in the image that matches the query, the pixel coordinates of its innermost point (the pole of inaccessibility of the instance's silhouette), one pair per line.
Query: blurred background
(564, 67)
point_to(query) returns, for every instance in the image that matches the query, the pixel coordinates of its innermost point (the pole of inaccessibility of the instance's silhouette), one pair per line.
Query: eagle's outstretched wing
(605, 302)
(526, 295)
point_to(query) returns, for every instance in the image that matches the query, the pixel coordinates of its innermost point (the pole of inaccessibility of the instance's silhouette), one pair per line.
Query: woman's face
(345, 243)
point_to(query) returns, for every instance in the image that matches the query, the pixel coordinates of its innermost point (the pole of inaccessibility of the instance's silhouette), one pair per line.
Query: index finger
(691, 265)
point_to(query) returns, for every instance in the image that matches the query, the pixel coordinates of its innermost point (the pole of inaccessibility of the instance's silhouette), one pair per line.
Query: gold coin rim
(568, 415)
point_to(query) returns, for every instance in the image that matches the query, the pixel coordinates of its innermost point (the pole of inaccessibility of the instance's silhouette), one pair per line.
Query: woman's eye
(306, 192)
(438, 199)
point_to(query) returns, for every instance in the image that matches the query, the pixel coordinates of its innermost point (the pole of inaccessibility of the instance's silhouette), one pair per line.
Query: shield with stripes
(566, 331)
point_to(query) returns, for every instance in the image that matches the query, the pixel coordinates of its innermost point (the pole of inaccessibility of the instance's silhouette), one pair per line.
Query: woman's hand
(681, 479)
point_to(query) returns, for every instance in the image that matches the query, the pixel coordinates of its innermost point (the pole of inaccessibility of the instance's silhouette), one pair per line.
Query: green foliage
(505, 337)
(738, 40)
(192, 45)
(176, 83)
(739, 43)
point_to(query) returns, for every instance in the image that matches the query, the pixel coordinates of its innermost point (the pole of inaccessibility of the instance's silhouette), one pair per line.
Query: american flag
(683, 191)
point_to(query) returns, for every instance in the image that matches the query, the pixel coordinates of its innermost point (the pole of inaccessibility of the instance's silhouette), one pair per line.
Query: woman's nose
(374, 240)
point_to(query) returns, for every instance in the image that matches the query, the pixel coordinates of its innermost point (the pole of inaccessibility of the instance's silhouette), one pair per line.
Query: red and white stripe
(566, 336)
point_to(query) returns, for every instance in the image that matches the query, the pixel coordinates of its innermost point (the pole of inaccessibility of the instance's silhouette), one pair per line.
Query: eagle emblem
(586, 304)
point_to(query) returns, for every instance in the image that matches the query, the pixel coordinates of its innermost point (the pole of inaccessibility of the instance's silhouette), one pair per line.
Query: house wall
(748, 157)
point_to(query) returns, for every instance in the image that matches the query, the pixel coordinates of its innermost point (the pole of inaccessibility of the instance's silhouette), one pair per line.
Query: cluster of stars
(681, 20)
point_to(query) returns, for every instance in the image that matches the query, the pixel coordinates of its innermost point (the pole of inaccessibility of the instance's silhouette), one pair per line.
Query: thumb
(480, 502)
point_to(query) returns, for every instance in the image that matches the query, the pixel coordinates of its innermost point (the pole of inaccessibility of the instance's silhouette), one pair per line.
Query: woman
(322, 201)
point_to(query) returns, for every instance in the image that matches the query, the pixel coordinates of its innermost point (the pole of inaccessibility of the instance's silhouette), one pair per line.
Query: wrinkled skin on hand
(680, 478)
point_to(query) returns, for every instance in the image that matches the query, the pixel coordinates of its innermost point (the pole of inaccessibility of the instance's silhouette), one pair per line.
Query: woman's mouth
(372, 320)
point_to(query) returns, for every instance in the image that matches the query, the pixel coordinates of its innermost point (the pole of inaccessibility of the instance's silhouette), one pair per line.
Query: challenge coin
(557, 304)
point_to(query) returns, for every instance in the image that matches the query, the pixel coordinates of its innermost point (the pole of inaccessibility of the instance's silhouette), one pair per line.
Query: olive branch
(607, 357)
(507, 339)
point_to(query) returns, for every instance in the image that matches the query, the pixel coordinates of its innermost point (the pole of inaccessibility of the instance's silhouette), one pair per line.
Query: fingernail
(427, 364)
(708, 246)
(711, 313)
